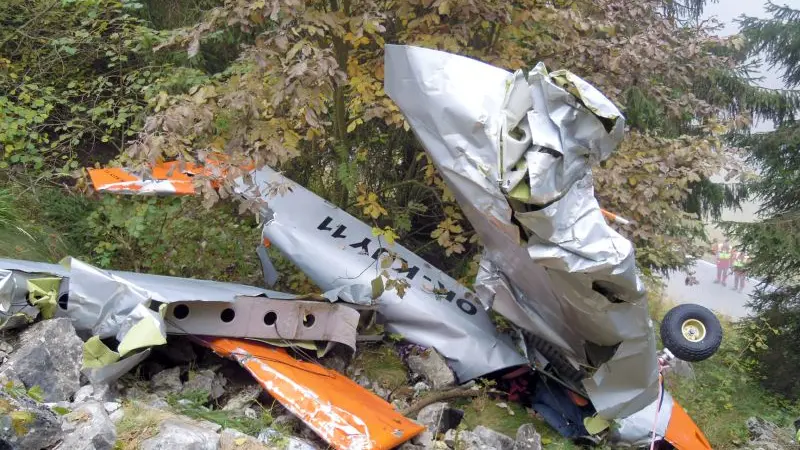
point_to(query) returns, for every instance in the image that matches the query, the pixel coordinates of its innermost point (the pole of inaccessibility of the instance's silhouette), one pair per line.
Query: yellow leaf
(240, 441)
(444, 8)
(290, 138)
(389, 235)
(352, 126)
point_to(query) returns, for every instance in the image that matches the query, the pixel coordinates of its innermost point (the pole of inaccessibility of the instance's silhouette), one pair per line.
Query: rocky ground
(185, 397)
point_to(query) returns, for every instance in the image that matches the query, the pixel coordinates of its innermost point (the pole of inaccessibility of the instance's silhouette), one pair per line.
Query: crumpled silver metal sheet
(635, 430)
(340, 254)
(15, 311)
(109, 303)
(511, 147)
(169, 289)
(114, 371)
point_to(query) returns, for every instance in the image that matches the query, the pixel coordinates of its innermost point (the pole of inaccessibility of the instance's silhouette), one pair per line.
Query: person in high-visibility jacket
(739, 277)
(723, 263)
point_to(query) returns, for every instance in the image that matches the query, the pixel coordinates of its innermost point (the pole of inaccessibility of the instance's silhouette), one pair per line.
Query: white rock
(433, 367)
(421, 387)
(425, 439)
(84, 393)
(528, 438)
(450, 437)
(167, 381)
(117, 415)
(208, 381)
(89, 428)
(231, 439)
(176, 434)
(99, 393)
(270, 436)
(439, 417)
(243, 398)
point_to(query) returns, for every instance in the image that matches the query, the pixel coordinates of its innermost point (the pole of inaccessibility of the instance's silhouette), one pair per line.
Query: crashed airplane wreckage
(517, 153)
(134, 312)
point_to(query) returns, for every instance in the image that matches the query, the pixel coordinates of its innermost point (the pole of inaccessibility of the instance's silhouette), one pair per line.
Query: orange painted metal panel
(120, 180)
(164, 178)
(340, 411)
(683, 433)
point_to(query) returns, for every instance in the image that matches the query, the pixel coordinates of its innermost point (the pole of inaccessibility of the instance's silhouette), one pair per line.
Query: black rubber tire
(682, 348)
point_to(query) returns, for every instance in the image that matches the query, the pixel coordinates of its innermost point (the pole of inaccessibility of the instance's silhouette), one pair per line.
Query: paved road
(723, 300)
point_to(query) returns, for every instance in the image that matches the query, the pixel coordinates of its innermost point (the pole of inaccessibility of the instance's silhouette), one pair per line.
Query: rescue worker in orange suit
(723, 263)
(739, 262)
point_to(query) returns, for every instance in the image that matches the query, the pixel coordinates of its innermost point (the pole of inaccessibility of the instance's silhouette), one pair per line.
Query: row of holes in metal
(227, 315)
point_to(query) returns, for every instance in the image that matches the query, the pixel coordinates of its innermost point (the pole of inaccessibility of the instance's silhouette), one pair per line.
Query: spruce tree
(773, 241)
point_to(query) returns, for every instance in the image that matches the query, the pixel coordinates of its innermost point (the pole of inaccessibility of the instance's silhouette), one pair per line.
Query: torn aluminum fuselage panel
(341, 412)
(99, 300)
(118, 304)
(266, 319)
(341, 255)
(437, 312)
(517, 153)
(15, 311)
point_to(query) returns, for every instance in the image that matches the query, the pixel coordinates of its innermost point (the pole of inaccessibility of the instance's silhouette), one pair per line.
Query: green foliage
(75, 77)
(174, 236)
(505, 419)
(18, 391)
(7, 208)
(170, 236)
(777, 357)
(773, 244)
(709, 199)
(194, 404)
(310, 79)
(383, 366)
(778, 37)
(30, 231)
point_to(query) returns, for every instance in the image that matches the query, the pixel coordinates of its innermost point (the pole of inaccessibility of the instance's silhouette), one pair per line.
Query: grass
(138, 424)
(383, 366)
(194, 405)
(41, 225)
(485, 411)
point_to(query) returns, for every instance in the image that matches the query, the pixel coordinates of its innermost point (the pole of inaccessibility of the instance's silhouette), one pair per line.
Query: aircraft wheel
(691, 332)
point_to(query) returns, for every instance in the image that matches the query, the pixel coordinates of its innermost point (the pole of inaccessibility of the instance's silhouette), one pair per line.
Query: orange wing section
(683, 433)
(165, 178)
(123, 182)
(343, 413)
